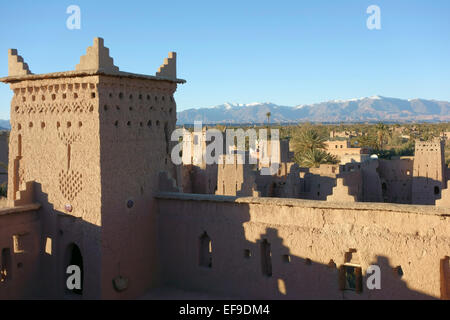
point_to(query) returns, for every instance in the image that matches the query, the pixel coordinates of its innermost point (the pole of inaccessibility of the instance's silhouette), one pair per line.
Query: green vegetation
(309, 149)
(268, 114)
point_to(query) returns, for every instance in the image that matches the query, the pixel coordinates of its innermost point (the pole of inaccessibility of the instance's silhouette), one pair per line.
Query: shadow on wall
(41, 247)
(67, 239)
(318, 187)
(426, 190)
(244, 263)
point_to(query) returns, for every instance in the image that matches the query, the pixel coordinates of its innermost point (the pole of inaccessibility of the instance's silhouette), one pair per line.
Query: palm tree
(367, 141)
(316, 157)
(309, 140)
(310, 149)
(268, 114)
(382, 134)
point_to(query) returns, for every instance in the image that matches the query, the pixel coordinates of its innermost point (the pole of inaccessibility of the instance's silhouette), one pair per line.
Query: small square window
(351, 278)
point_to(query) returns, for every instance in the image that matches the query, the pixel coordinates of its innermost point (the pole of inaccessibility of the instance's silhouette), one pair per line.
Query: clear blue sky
(286, 52)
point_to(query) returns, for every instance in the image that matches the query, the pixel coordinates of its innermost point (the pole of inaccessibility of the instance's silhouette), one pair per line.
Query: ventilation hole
(30, 125)
(156, 98)
(75, 95)
(148, 97)
(247, 254)
(140, 97)
(130, 204)
(43, 98)
(157, 122)
(93, 95)
(80, 124)
(170, 110)
(149, 123)
(110, 95)
(69, 124)
(53, 96)
(19, 126)
(131, 97)
(58, 124)
(64, 96)
(33, 98)
(117, 108)
(131, 108)
(437, 190)
(16, 108)
(42, 125)
(116, 123)
(140, 124)
(128, 123)
(120, 95)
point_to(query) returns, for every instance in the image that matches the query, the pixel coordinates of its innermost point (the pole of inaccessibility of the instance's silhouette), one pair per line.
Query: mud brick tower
(91, 143)
(429, 176)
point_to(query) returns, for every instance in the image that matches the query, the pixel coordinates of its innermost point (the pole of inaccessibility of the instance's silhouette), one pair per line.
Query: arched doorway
(73, 258)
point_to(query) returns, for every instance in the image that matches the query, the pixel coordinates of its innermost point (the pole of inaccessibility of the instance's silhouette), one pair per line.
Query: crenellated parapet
(97, 58)
(16, 64)
(169, 68)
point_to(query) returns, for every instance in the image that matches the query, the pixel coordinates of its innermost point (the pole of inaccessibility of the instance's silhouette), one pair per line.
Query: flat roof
(84, 73)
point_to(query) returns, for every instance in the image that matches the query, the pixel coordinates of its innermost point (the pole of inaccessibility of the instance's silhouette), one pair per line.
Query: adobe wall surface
(309, 241)
(136, 120)
(445, 200)
(20, 235)
(396, 180)
(55, 142)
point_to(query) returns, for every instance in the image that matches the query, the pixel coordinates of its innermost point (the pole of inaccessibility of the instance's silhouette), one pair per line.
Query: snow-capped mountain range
(369, 109)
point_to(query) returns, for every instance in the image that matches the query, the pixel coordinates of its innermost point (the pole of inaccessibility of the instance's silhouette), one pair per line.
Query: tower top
(16, 64)
(96, 61)
(97, 58)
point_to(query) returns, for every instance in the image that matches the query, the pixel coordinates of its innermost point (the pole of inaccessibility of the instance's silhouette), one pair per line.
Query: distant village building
(346, 153)
(343, 134)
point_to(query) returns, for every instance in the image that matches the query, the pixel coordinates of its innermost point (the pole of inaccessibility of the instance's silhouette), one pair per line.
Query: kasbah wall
(90, 183)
